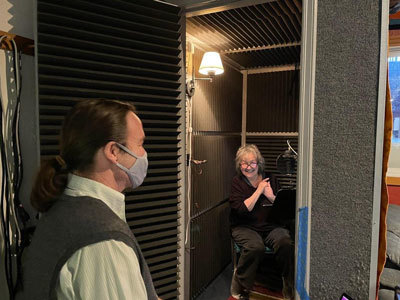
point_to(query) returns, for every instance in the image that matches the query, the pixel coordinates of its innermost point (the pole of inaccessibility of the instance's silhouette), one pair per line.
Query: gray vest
(71, 224)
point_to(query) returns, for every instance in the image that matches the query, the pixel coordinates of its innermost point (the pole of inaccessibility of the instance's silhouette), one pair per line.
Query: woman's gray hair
(249, 148)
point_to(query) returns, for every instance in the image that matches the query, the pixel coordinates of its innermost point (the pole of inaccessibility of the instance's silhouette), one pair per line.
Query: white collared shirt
(104, 270)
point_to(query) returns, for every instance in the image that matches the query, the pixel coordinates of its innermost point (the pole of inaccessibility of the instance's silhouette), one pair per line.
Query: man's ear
(110, 151)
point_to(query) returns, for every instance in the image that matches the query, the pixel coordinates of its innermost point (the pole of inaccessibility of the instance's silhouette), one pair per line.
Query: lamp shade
(211, 64)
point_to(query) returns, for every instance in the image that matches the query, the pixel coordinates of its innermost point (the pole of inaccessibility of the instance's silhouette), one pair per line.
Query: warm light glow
(211, 64)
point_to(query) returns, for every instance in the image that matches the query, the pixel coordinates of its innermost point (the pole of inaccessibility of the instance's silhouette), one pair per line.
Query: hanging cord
(189, 157)
(19, 213)
(189, 176)
(12, 178)
(5, 221)
(290, 147)
(16, 144)
(15, 124)
(4, 205)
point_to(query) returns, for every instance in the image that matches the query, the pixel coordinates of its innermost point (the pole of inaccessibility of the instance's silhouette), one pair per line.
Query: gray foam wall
(346, 93)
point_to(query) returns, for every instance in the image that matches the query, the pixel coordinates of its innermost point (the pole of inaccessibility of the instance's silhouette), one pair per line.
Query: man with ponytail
(82, 247)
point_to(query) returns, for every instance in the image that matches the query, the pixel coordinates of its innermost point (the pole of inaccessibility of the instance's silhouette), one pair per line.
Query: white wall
(17, 17)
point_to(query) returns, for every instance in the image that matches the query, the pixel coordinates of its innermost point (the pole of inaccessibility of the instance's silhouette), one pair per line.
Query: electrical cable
(189, 158)
(16, 143)
(290, 147)
(12, 179)
(189, 139)
(5, 205)
(5, 208)
(20, 215)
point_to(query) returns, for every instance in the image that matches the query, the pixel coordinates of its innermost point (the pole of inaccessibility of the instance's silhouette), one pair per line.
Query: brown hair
(88, 126)
(249, 148)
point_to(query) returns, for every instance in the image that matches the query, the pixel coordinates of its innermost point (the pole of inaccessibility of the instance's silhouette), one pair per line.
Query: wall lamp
(211, 65)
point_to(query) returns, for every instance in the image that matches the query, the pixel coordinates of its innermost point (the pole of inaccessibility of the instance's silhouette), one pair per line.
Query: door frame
(306, 128)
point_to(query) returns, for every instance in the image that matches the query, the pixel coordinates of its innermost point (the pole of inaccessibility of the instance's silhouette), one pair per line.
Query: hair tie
(61, 162)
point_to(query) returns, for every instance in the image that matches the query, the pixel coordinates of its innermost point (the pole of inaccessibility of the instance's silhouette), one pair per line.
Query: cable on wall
(20, 215)
(189, 122)
(189, 165)
(11, 175)
(5, 205)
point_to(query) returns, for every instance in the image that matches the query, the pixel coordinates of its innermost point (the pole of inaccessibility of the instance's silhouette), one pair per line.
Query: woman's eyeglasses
(252, 164)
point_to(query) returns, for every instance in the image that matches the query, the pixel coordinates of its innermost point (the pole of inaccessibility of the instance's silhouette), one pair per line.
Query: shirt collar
(248, 182)
(80, 186)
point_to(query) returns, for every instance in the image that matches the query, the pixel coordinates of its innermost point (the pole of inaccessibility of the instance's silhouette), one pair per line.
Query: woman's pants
(253, 245)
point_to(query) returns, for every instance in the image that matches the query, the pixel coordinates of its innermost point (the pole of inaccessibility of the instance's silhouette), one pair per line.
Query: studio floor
(219, 289)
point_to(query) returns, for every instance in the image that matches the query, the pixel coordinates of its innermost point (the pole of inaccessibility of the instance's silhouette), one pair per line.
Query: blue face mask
(137, 173)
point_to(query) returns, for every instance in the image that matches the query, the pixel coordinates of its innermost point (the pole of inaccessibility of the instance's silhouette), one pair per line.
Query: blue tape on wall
(302, 253)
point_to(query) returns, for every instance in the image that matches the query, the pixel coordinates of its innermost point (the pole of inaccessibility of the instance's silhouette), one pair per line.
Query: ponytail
(50, 183)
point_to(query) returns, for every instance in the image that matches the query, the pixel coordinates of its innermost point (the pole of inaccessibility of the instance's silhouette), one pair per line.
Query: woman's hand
(262, 185)
(268, 192)
(251, 201)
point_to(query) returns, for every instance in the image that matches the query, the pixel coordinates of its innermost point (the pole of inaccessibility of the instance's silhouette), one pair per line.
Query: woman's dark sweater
(240, 215)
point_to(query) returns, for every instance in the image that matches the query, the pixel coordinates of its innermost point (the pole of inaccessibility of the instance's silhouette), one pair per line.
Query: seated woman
(251, 197)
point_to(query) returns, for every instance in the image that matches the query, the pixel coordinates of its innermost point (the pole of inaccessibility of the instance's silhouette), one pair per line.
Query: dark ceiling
(251, 37)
